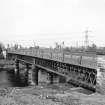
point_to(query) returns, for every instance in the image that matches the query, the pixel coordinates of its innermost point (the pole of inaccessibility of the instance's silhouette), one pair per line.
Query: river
(4, 79)
(8, 80)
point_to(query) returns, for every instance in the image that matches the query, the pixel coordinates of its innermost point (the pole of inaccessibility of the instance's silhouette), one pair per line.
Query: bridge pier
(17, 72)
(17, 67)
(51, 78)
(35, 74)
(27, 74)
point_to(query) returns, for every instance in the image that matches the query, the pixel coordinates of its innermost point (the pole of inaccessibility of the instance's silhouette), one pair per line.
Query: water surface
(8, 79)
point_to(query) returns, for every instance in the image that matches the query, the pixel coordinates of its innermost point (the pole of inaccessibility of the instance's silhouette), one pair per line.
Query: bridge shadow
(17, 80)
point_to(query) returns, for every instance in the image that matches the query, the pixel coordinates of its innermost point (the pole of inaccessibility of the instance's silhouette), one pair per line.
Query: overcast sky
(48, 21)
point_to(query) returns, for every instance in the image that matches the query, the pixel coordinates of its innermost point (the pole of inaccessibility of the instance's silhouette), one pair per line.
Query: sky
(45, 22)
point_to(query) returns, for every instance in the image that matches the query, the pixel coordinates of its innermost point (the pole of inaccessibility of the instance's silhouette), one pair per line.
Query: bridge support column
(17, 67)
(17, 72)
(51, 78)
(35, 74)
(27, 74)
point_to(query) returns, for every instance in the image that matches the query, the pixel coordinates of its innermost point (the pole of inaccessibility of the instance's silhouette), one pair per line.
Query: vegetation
(1, 51)
(61, 47)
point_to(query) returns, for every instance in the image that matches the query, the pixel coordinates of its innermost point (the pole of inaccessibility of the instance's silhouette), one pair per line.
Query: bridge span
(78, 69)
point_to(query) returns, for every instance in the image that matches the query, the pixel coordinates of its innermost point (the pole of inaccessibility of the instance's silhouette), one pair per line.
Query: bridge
(77, 68)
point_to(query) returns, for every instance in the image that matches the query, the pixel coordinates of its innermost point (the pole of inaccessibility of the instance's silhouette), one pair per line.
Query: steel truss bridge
(76, 73)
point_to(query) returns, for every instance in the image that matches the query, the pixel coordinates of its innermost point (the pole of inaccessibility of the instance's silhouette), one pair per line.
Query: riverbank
(59, 94)
(6, 64)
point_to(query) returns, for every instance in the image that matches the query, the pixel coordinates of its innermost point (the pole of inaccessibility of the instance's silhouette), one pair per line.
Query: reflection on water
(4, 79)
(8, 79)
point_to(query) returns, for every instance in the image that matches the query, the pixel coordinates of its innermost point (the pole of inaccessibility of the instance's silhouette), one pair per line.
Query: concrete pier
(17, 72)
(51, 78)
(35, 74)
(27, 73)
(17, 67)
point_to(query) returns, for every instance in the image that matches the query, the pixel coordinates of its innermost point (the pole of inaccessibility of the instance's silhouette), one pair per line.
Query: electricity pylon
(86, 41)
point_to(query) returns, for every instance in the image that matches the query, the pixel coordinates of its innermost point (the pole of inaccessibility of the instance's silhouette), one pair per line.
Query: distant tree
(8, 46)
(2, 47)
(92, 48)
(16, 46)
(20, 46)
(57, 46)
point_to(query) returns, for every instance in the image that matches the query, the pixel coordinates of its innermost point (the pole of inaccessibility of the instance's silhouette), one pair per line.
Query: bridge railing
(88, 60)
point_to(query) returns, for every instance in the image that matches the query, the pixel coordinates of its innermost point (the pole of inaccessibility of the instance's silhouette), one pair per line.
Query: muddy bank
(58, 94)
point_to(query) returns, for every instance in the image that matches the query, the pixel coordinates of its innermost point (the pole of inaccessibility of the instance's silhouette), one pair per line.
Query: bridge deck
(85, 60)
